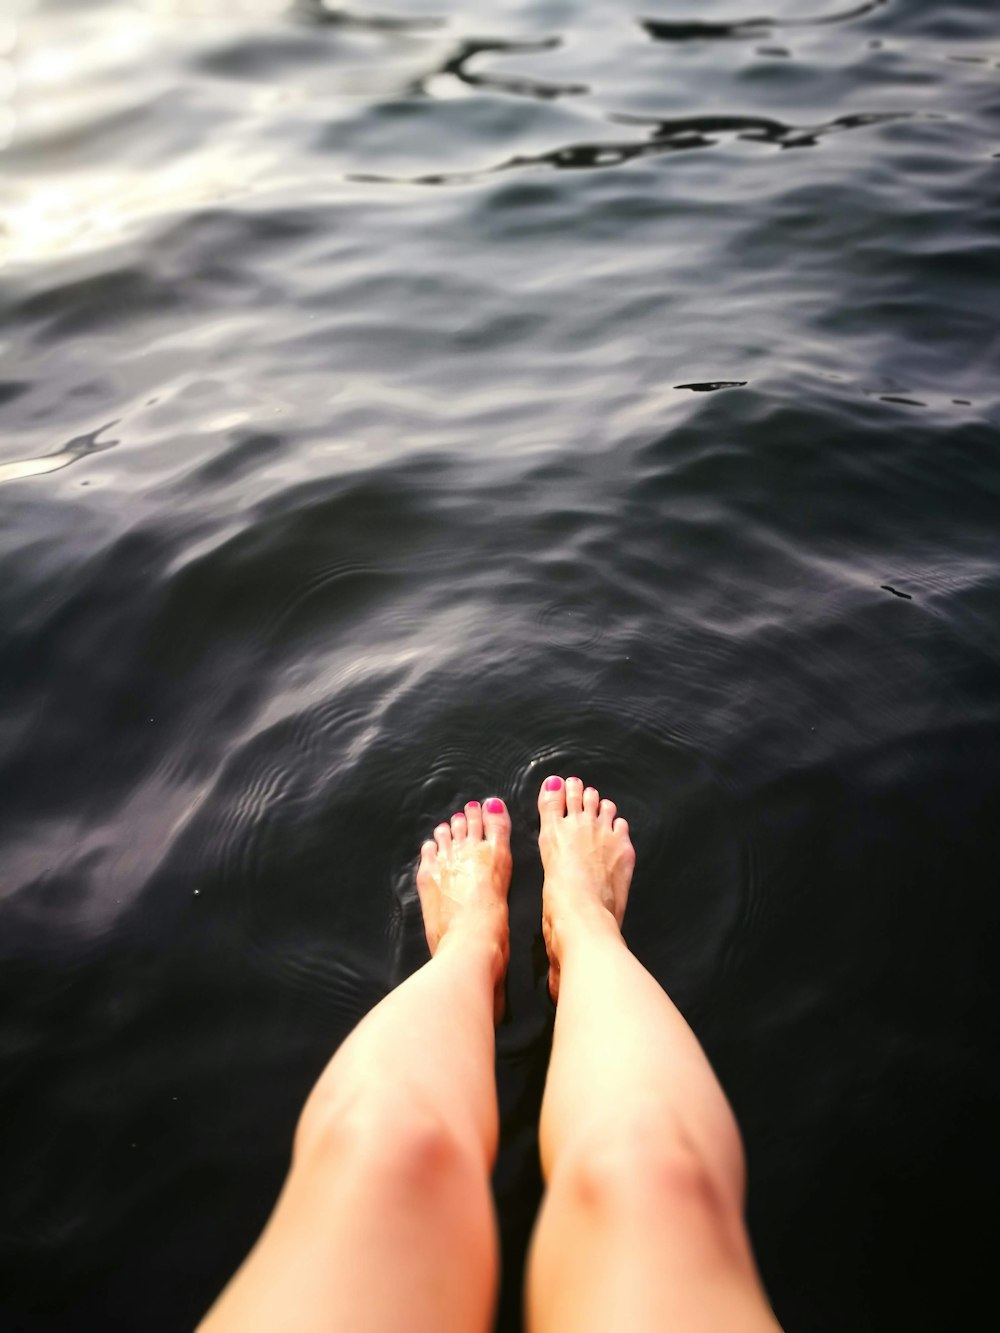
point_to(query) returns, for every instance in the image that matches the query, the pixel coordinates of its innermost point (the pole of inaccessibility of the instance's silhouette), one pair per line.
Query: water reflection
(81, 447)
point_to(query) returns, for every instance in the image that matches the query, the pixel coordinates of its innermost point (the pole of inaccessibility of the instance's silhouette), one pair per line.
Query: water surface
(398, 406)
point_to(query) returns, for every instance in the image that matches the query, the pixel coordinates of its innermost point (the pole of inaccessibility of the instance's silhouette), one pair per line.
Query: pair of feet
(464, 872)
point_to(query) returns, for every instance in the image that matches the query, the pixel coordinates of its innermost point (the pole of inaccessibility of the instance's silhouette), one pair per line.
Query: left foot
(463, 879)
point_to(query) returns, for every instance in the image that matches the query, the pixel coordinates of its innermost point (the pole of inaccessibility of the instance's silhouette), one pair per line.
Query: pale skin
(386, 1219)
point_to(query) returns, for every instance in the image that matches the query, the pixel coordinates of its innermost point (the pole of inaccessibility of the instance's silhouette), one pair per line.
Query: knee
(409, 1168)
(410, 1147)
(422, 1151)
(645, 1170)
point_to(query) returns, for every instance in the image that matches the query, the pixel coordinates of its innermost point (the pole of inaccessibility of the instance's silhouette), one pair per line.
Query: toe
(474, 820)
(591, 800)
(428, 851)
(574, 796)
(459, 828)
(608, 812)
(620, 827)
(552, 800)
(442, 836)
(496, 821)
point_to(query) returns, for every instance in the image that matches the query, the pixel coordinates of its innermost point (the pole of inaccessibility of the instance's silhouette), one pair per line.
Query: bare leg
(386, 1219)
(642, 1225)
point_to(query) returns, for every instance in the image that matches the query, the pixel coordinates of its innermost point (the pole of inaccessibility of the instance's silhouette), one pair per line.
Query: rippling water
(399, 406)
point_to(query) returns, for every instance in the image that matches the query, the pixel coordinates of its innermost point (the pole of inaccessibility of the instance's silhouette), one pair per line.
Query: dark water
(398, 407)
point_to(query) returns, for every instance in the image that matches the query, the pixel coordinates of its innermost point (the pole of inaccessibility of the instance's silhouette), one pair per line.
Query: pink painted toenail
(572, 779)
(459, 814)
(473, 805)
(494, 806)
(553, 784)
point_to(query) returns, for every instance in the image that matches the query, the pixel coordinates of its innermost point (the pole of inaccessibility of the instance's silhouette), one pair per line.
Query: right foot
(588, 859)
(463, 879)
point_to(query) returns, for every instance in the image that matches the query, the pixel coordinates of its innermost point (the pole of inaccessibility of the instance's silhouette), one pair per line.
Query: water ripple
(318, 13)
(685, 30)
(674, 135)
(456, 66)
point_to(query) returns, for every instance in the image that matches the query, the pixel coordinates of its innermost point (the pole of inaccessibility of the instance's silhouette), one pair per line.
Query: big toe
(552, 800)
(496, 822)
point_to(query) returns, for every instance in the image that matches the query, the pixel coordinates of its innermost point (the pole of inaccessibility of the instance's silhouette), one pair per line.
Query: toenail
(553, 784)
(494, 806)
(572, 779)
(473, 805)
(458, 815)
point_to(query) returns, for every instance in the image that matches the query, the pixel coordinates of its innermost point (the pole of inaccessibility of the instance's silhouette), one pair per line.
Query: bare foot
(588, 860)
(463, 879)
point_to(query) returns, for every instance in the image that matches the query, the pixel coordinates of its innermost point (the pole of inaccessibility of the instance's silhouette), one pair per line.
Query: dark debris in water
(886, 587)
(710, 386)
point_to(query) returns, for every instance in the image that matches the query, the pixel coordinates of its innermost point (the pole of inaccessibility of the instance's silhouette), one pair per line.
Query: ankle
(582, 919)
(481, 930)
